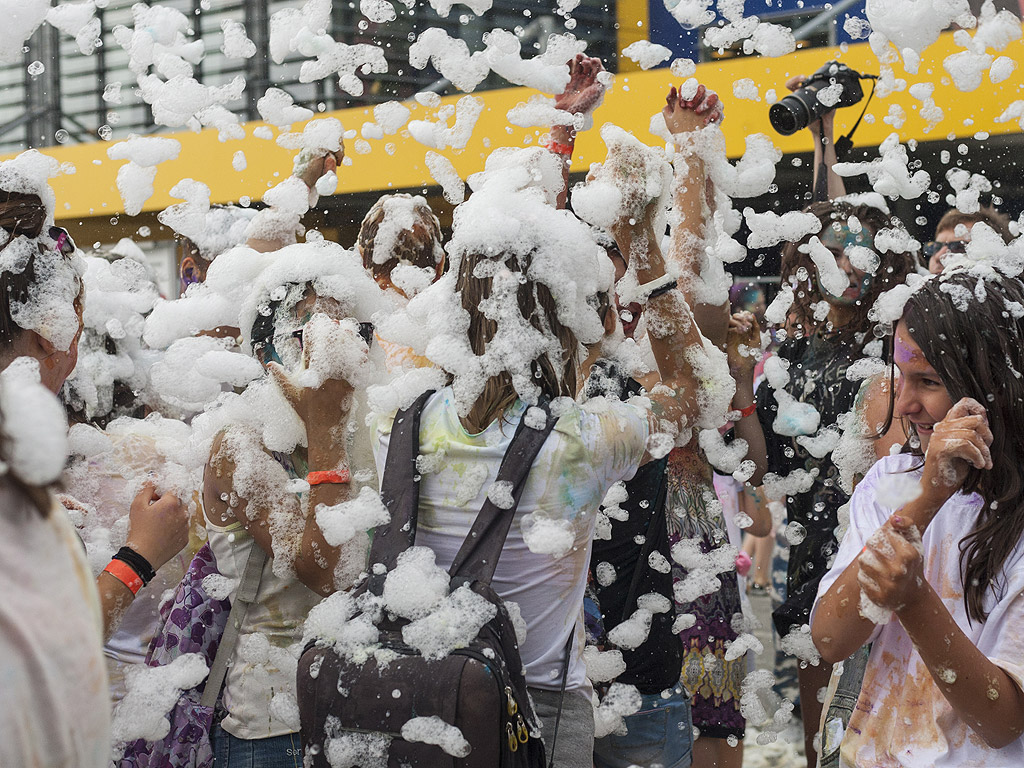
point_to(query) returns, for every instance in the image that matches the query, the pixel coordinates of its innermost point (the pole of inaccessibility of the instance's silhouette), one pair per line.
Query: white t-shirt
(590, 448)
(902, 718)
(54, 702)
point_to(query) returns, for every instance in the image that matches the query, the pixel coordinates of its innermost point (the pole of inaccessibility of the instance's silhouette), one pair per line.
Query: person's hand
(583, 94)
(157, 526)
(310, 166)
(684, 116)
(794, 84)
(891, 566)
(959, 442)
(317, 399)
(742, 344)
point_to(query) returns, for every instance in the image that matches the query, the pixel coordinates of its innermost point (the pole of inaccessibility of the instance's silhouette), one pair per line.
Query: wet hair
(417, 246)
(20, 214)
(892, 270)
(538, 308)
(999, 221)
(971, 332)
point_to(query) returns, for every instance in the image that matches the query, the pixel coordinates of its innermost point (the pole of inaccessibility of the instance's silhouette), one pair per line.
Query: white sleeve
(1002, 638)
(866, 517)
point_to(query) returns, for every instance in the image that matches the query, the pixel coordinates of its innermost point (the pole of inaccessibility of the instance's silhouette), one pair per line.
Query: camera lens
(788, 116)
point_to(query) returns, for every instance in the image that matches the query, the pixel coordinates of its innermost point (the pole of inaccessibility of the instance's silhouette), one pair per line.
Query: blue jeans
(276, 752)
(660, 734)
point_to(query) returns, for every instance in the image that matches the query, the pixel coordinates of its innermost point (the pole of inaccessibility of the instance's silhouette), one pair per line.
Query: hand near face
(960, 441)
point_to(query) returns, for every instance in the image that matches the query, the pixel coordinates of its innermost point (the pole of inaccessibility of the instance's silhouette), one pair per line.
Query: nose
(905, 402)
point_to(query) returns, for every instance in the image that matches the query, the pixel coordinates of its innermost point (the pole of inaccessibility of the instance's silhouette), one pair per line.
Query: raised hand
(687, 115)
(958, 442)
(743, 343)
(310, 165)
(584, 92)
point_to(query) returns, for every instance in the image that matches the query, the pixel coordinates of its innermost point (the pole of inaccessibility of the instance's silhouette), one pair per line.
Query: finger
(146, 495)
(280, 377)
(795, 82)
(966, 406)
(975, 455)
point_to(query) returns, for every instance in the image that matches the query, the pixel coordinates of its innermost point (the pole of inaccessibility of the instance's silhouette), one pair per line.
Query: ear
(190, 272)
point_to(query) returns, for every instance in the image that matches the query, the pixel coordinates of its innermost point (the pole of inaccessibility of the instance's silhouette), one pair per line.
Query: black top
(655, 665)
(817, 376)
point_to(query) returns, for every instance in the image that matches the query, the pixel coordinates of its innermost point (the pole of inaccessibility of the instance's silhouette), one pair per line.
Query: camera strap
(845, 143)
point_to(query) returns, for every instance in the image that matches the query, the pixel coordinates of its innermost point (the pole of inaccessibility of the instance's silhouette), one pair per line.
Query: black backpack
(480, 689)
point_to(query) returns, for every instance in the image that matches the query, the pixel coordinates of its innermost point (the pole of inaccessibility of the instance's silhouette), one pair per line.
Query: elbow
(759, 528)
(831, 651)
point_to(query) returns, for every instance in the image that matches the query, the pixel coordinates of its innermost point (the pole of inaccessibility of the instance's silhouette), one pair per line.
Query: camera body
(802, 107)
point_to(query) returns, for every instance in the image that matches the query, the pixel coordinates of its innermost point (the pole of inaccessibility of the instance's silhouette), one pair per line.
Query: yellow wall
(91, 191)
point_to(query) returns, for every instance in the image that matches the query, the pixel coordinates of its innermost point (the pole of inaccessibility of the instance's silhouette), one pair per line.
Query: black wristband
(661, 290)
(137, 562)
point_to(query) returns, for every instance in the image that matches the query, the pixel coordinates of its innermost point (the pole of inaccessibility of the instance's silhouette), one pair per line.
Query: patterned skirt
(714, 683)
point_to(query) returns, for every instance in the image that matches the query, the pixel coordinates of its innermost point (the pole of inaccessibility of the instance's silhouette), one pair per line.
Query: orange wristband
(748, 411)
(124, 573)
(329, 476)
(565, 150)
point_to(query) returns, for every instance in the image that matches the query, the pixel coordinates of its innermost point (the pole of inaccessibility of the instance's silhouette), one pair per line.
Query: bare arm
(742, 347)
(836, 185)
(581, 96)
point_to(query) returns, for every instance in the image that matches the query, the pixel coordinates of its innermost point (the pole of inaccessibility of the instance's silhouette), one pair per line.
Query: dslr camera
(802, 107)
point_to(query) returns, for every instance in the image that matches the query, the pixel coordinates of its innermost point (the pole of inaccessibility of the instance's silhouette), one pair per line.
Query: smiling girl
(827, 334)
(935, 538)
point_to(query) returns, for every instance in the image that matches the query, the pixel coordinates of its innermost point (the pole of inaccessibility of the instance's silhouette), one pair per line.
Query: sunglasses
(953, 246)
(65, 245)
(266, 351)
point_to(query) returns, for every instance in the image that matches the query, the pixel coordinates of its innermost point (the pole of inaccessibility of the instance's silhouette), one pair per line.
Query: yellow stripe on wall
(397, 162)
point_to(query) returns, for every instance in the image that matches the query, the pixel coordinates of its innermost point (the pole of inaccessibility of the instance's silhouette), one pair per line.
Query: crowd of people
(227, 449)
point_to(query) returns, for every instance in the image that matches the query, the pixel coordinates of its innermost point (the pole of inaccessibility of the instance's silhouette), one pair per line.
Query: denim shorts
(276, 752)
(660, 734)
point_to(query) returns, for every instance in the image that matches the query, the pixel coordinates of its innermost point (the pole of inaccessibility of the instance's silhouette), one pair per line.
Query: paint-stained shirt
(902, 718)
(543, 566)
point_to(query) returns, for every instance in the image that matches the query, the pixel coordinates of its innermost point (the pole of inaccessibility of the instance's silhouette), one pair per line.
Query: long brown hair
(20, 214)
(555, 378)
(966, 329)
(892, 270)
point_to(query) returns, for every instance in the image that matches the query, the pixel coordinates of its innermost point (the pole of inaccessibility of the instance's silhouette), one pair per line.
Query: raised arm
(742, 347)
(823, 152)
(271, 512)
(675, 337)
(581, 96)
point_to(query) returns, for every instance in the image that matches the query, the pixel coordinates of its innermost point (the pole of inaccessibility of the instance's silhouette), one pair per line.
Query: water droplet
(144, 231)
(61, 136)
(36, 68)
(105, 132)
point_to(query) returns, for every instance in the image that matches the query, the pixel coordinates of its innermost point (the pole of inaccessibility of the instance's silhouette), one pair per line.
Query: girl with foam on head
(932, 568)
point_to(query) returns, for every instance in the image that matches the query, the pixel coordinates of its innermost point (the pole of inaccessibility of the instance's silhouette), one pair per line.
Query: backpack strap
(245, 594)
(478, 556)
(400, 492)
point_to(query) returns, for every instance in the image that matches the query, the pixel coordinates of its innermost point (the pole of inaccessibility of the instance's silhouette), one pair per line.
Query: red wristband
(748, 411)
(124, 573)
(329, 476)
(559, 149)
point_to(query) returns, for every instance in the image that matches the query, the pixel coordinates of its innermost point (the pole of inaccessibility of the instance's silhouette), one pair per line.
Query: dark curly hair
(892, 270)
